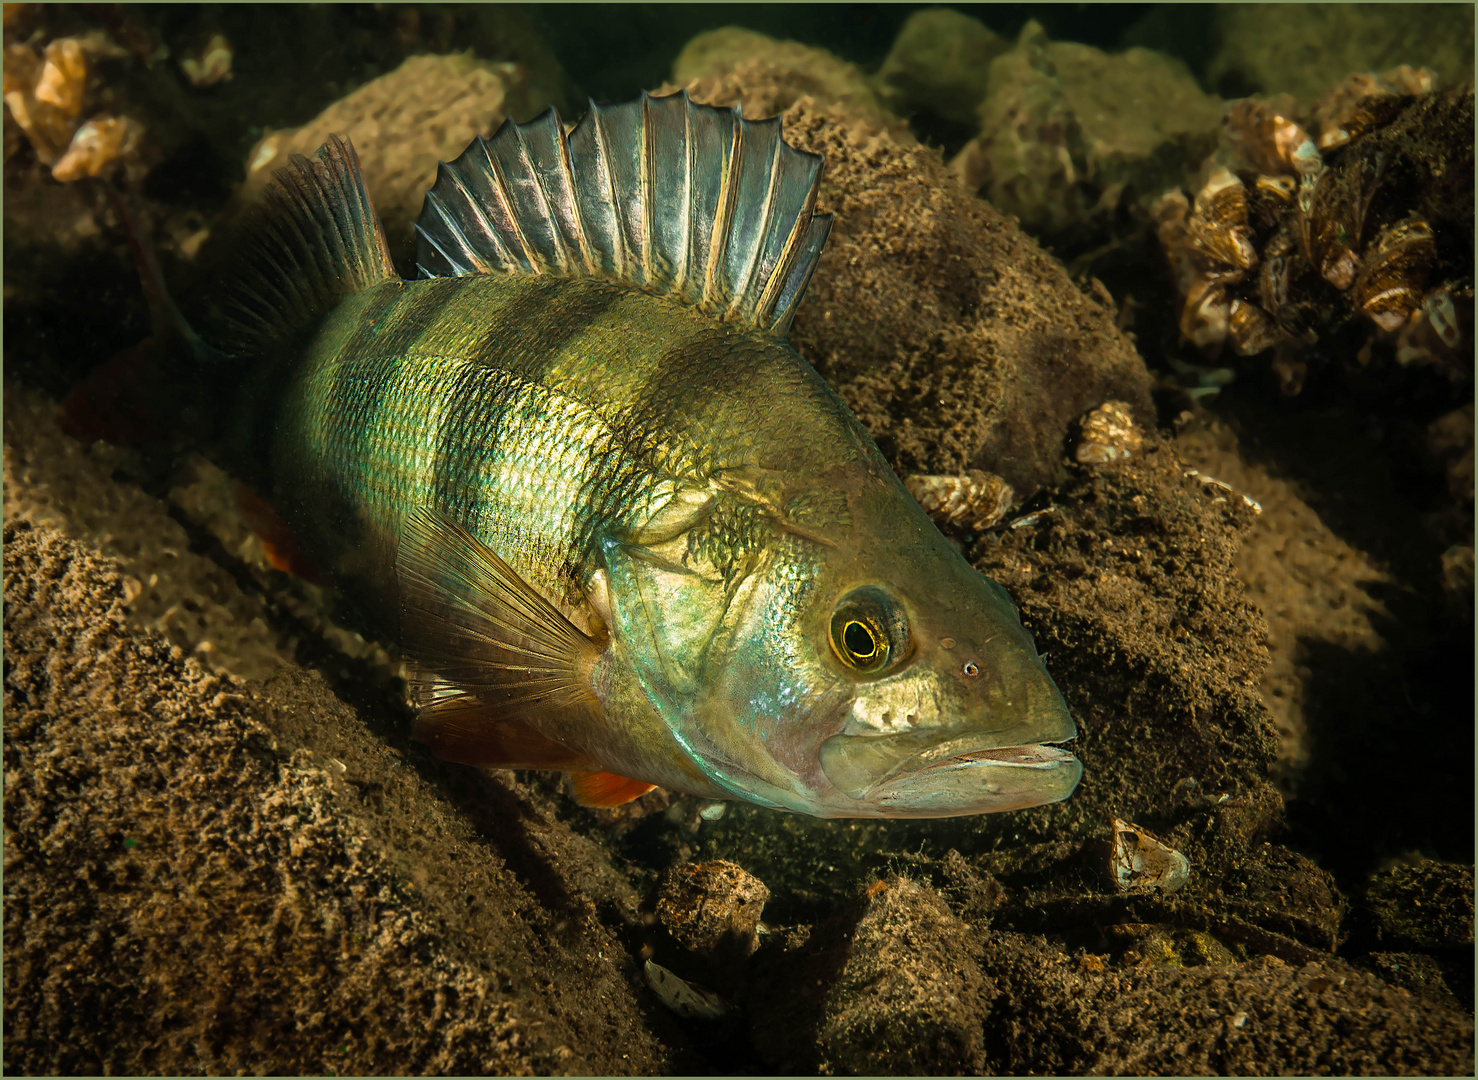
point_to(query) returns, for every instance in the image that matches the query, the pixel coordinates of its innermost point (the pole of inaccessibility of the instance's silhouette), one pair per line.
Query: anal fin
(605, 789)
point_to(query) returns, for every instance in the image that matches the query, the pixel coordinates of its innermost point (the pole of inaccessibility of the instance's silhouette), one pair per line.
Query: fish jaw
(955, 777)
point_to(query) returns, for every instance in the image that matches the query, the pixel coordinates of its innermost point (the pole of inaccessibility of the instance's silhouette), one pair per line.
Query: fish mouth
(968, 774)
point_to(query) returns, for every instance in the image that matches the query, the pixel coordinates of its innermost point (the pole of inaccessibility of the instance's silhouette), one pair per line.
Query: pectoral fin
(500, 674)
(607, 789)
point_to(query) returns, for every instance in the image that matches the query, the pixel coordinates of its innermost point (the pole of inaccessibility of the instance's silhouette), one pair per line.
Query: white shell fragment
(1140, 863)
(684, 998)
(1255, 506)
(1109, 434)
(975, 499)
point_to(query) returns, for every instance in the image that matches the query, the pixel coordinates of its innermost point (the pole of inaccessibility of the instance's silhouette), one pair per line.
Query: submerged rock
(775, 73)
(1303, 49)
(713, 907)
(1069, 133)
(1074, 1016)
(940, 62)
(205, 875)
(891, 986)
(402, 125)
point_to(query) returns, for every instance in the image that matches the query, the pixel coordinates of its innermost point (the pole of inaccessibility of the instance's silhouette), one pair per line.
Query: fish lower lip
(866, 768)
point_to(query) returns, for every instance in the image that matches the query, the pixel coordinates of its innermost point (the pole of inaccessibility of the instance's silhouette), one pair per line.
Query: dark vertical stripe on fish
(536, 327)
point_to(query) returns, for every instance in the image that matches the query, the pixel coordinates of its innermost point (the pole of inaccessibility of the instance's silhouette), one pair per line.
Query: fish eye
(869, 631)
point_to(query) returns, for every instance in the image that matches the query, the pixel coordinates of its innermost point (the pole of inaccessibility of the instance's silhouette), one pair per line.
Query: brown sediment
(209, 876)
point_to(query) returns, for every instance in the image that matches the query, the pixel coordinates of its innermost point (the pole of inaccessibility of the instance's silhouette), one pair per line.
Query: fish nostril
(971, 669)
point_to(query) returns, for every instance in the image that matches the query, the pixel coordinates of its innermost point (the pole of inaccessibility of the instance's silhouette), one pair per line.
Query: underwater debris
(210, 63)
(63, 79)
(1109, 434)
(685, 998)
(47, 94)
(712, 907)
(99, 144)
(1141, 863)
(973, 500)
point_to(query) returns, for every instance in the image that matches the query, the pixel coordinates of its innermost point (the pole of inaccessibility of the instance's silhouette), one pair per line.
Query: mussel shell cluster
(1302, 232)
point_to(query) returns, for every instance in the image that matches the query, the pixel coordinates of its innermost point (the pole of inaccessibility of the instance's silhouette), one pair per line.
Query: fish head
(871, 672)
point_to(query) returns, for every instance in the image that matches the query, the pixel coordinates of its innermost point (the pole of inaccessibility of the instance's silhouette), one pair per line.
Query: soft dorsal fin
(315, 240)
(659, 194)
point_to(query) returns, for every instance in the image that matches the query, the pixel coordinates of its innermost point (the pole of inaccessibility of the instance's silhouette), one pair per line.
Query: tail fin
(314, 240)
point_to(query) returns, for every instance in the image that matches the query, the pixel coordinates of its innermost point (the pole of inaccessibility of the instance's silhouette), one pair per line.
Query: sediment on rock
(183, 872)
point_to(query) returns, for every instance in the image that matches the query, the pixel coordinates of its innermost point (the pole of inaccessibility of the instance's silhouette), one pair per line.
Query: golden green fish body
(617, 524)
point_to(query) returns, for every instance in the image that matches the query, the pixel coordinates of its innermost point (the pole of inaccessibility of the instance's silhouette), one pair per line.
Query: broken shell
(1250, 328)
(209, 64)
(684, 998)
(63, 79)
(1411, 81)
(1391, 281)
(1441, 314)
(1218, 226)
(1203, 320)
(1141, 863)
(47, 127)
(1109, 434)
(974, 500)
(98, 144)
(1432, 334)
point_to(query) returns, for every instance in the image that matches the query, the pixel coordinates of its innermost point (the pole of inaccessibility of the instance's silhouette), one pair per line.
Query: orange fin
(607, 789)
(279, 543)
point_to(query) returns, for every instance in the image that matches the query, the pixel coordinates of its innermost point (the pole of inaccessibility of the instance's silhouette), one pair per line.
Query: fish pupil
(859, 640)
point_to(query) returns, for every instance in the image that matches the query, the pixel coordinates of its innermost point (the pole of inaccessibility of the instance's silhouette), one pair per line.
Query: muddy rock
(957, 341)
(402, 125)
(1125, 578)
(772, 75)
(1069, 133)
(941, 63)
(1428, 905)
(205, 875)
(1068, 1015)
(902, 992)
(713, 907)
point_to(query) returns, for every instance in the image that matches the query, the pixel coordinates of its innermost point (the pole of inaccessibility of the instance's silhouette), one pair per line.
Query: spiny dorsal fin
(491, 654)
(658, 193)
(316, 240)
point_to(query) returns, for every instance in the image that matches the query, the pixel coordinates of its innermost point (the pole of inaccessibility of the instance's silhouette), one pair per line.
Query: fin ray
(469, 617)
(658, 193)
(317, 241)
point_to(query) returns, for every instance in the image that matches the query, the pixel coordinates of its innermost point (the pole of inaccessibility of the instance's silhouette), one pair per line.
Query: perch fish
(616, 523)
